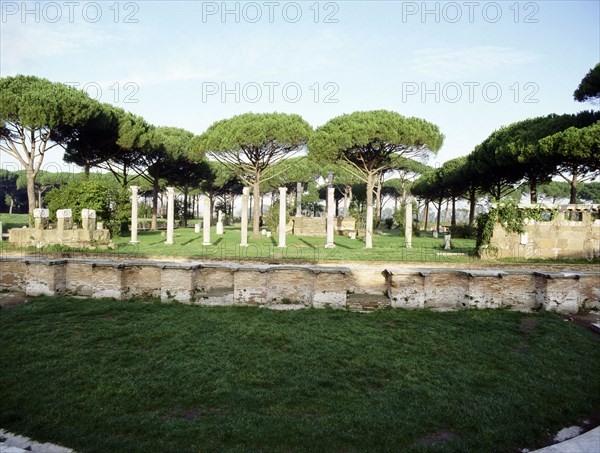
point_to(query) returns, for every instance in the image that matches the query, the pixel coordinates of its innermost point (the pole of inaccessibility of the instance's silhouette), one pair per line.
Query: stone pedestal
(408, 224)
(170, 214)
(206, 221)
(330, 217)
(134, 214)
(64, 219)
(88, 219)
(244, 236)
(282, 212)
(41, 218)
(220, 223)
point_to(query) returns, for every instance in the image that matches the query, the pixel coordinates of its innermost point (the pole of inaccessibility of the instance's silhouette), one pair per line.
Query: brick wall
(305, 286)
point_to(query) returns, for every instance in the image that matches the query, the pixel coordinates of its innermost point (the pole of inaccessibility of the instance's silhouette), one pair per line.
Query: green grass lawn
(388, 246)
(126, 376)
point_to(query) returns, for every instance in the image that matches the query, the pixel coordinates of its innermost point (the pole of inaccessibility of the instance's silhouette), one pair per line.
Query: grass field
(103, 375)
(388, 246)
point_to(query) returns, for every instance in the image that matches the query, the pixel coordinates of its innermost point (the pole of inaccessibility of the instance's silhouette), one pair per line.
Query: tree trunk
(439, 215)
(573, 183)
(369, 222)
(426, 214)
(472, 203)
(349, 199)
(31, 190)
(533, 196)
(378, 200)
(185, 206)
(256, 208)
(12, 203)
(154, 222)
(453, 221)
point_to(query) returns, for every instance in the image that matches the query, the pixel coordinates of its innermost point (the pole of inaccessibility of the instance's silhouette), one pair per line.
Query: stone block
(79, 278)
(405, 288)
(142, 281)
(331, 288)
(177, 282)
(45, 277)
(107, 280)
(250, 285)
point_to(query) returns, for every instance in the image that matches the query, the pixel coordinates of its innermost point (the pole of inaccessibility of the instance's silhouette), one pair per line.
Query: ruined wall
(559, 238)
(317, 226)
(305, 286)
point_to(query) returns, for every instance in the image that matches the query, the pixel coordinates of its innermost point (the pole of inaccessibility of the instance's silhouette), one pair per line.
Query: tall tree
(251, 143)
(589, 88)
(32, 110)
(368, 142)
(576, 152)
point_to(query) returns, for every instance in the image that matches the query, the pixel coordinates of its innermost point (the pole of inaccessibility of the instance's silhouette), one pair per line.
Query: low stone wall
(305, 286)
(450, 289)
(200, 283)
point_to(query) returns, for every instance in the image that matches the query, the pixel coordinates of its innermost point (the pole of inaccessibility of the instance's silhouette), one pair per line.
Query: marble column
(206, 222)
(330, 217)
(408, 224)
(282, 216)
(299, 190)
(245, 196)
(170, 214)
(220, 223)
(134, 215)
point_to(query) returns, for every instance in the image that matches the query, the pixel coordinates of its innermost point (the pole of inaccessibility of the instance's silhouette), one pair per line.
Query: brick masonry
(299, 286)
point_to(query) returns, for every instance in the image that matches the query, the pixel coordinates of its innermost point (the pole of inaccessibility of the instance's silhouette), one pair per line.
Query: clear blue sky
(469, 67)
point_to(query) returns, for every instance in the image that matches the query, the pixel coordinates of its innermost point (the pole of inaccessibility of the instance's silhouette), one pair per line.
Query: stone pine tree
(251, 143)
(32, 111)
(368, 142)
(589, 88)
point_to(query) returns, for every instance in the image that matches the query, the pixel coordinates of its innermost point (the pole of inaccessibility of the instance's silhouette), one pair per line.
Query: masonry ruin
(64, 232)
(574, 233)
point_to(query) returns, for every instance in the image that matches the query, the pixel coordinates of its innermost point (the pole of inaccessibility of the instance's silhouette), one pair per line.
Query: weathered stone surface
(107, 280)
(316, 286)
(553, 239)
(178, 282)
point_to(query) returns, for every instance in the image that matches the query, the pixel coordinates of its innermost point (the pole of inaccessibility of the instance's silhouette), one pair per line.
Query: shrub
(110, 202)
(463, 231)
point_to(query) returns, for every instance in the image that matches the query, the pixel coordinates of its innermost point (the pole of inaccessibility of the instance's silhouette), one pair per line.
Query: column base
(207, 243)
(330, 245)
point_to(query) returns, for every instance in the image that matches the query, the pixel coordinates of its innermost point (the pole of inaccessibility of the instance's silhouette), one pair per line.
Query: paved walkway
(586, 443)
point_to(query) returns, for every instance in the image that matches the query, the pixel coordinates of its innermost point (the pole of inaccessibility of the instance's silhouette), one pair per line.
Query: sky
(470, 67)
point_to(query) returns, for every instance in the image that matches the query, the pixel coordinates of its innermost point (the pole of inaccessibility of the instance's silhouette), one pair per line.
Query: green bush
(110, 202)
(271, 217)
(463, 231)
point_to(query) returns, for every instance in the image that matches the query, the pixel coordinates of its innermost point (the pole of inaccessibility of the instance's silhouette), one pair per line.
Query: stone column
(41, 218)
(299, 190)
(64, 219)
(447, 244)
(220, 223)
(282, 212)
(245, 196)
(197, 228)
(88, 219)
(134, 215)
(170, 214)
(330, 217)
(0, 231)
(206, 225)
(408, 224)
